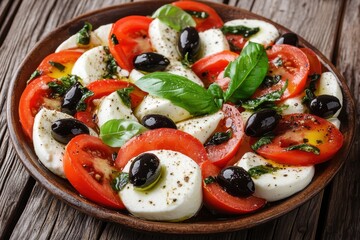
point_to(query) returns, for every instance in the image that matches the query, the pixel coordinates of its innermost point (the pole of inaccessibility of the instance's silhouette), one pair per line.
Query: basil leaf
(117, 132)
(63, 84)
(180, 91)
(57, 65)
(240, 30)
(219, 138)
(304, 147)
(35, 74)
(270, 81)
(257, 171)
(124, 94)
(198, 14)
(81, 106)
(111, 65)
(261, 142)
(119, 182)
(209, 180)
(83, 36)
(270, 97)
(246, 72)
(218, 94)
(174, 17)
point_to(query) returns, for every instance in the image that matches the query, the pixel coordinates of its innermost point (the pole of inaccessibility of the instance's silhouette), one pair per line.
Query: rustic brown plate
(204, 222)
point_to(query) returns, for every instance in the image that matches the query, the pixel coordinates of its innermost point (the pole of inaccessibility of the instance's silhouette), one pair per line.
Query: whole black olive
(324, 106)
(261, 122)
(288, 38)
(150, 62)
(63, 130)
(72, 98)
(154, 121)
(189, 43)
(144, 170)
(236, 181)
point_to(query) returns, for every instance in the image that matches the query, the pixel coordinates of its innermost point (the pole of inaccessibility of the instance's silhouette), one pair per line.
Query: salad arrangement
(160, 115)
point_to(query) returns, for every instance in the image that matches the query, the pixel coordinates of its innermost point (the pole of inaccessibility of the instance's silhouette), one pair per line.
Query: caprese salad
(161, 115)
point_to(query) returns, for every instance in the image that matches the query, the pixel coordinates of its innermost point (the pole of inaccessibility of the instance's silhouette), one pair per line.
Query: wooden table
(28, 211)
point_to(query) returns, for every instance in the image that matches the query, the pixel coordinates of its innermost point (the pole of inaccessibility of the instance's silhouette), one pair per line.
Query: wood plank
(8, 10)
(344, 195)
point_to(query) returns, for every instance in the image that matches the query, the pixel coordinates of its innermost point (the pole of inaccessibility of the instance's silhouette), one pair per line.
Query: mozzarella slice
(49, 151)
(92, 66)
(294, 105)
(71, 43)
(212, 41)
(103, 33)
(156, 105)
(282, 183)
(135, 75)
(267, 34)
(202, 127)
(329, 85)
(175, 197)
(112, 107)
(164, 39)
(178, 68)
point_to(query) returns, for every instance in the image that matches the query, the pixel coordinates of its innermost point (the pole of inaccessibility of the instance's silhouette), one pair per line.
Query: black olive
(144, 170)
(72, 98)
(288, 38)
(236, 181)
(63, 130)
(154, 121)
(324, 106)
(262, 122)
(189, 43)
(150, 62)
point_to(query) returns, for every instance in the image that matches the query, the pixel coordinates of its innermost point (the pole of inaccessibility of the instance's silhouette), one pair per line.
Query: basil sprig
(246, 73)
(304, 147)
(240, 30)
(180, 91)
(83, 36)
(174, 17)
(117, 132)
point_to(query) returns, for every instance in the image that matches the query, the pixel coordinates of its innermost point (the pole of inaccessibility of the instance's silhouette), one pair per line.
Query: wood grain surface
(27, 211)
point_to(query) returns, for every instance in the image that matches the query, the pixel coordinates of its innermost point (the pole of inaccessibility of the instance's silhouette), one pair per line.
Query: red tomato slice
(86, 118)
(35, 96)
(208, 68)
(66, 58)
(291, 64)
(212, 21)
(162, 138)
(237, 42)
(315, 65)
(295, 129)
(88, 166)
(132, 35)
(216, 199)
(222, 153)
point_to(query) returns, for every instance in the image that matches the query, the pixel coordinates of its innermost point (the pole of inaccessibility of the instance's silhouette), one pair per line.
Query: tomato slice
(208, 68)
(132, 38)
(236, 42)
(66, 58)
(222, 153)
(35, 96)
(291, 64)
(296, 129)
(88, 166)
(202, 24)
(315, 65)
(162, 138)
(216, 199)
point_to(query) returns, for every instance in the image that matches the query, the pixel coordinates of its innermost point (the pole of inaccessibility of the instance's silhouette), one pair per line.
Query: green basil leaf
(124, 94)
(81, 106)
(180, 91)
(219, 138)
(304, 147)
(261, 142)
(246, 73)
(57, 65)
(111, 65)
(209, 180)
(215, 90)
(240, 30)
(257, 171)
(117, 132)
(83, 36)
(120, 181)
(35, 74)
(63, 84)
(174, 17)
(270, 97)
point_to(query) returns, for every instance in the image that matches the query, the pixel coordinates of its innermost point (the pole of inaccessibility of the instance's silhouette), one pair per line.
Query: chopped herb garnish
(309, 96)
(63, 84)
(261, 142)
(304, 147)
(240, 30)
(309, 91)
(81, 106)
(35, 74)
(219, 138)
(209, 180)
(120, 181)
(256, 172)
(124, 94)
(278, 62)
(270, 81)
(198, 14)
(114, 40)
(83, 36)
(186, 62)
(57, 65)
(111, 65)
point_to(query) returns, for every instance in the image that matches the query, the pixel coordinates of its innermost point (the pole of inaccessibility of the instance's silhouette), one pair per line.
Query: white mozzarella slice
(267, 34)
(212, 41)
(175, 197)
(202, 127)
(135, 75)
(335, 121)
(329, 85)
(178, 68)
(282, 183)
(103, 33)
(71, 43)
(156, 105)
(92, 66)
(164, 39)
(49, 151)
(112, 107)
(294, 105)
